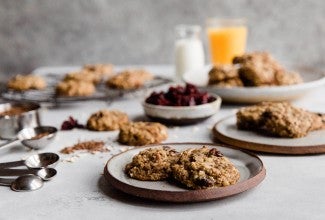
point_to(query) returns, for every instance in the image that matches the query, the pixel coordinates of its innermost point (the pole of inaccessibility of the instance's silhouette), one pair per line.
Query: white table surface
(294, 187)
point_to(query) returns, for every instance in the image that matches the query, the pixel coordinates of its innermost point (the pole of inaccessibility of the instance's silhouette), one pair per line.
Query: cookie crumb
(89, 146)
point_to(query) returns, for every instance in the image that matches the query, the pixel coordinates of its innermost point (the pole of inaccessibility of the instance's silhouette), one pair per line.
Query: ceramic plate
(251, 170)
(227, 132)
(182, 115)
(312, 79)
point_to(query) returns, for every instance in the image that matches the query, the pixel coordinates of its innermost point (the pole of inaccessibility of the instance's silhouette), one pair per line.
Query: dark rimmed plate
(251, 168)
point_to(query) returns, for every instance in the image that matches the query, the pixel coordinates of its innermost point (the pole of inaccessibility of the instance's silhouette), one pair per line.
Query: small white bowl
(182, 115)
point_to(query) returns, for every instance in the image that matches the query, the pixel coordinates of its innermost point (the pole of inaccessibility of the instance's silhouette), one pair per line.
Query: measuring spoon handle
(12, 164)
(15, 172)
(6, 182)
(9, 142)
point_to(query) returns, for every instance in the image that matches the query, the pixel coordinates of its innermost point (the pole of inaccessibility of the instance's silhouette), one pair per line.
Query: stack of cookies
(252, 69)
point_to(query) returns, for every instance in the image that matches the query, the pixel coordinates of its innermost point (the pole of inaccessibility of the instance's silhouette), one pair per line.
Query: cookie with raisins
(201, 168)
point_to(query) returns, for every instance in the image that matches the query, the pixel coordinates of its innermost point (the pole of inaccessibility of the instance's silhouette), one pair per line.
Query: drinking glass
(227, 39)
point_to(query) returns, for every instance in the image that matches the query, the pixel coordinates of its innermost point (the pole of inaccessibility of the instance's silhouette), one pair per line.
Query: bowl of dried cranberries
(181, 105)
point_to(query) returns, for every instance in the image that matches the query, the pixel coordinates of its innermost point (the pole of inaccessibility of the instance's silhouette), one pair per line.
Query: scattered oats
(176, 128)
(209, 127)
(69, 159)
(195, 129)
(123, 149)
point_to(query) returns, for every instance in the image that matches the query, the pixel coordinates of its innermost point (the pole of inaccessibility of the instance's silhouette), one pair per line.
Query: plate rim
(265, 148)
(188, 196)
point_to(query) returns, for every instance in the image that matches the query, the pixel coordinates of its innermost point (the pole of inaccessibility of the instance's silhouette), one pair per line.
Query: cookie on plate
(74, 88)
(201, 168)
(107, 120)
(152, 164)
(229, 83)
(248, 118)
(279, 119)
(284, 120)
(224, 76)
(129, 79)
(257, 68)
(26, 82)
(261, 69)
(283, 78)
(142, 133)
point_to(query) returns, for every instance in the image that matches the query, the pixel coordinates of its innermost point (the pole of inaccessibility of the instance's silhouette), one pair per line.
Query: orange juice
(226, 43)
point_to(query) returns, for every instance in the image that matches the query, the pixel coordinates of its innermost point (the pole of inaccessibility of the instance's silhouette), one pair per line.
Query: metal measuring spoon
(45, 173)
(34, 138)
(27, 182)
(35, 161)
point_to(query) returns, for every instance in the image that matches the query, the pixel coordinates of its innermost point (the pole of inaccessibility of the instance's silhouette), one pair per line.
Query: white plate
(251, 170)
(312, 80)
(227, 132)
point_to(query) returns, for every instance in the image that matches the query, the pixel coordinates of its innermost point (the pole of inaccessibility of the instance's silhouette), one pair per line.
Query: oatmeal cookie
(26, 82)
(228, 83)
(287, 78)
(152, 164)
(82, 76)
(201, 168)
(284, 120)
(106, 120)
(129, 79)
(102, 70)
(261, 69)
(220, 73)
(279, 119)
(142, 133)
(248, 118)
(257, 68)
(74, 88)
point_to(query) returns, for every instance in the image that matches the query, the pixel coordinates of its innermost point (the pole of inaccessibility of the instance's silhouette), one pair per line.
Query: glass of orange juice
(227, 39)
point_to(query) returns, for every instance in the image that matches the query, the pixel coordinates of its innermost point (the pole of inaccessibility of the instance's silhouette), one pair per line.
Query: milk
(189, 54)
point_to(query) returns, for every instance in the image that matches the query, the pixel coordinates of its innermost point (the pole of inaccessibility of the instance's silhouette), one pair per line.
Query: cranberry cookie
(201, 168)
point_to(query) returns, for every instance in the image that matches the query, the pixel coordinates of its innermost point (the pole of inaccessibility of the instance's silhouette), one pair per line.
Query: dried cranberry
(180, 96)
(70, 124)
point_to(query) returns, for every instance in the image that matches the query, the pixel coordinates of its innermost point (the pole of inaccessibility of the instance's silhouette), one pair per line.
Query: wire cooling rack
(48, 95)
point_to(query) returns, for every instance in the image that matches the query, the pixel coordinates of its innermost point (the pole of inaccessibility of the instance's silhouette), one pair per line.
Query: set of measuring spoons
(40, 169)
(40, 166)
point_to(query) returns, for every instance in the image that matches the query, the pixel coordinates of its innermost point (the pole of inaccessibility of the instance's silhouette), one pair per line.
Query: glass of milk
(189, 52)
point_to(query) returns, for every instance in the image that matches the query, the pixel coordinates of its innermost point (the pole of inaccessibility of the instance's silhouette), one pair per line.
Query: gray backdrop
(70, 32)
